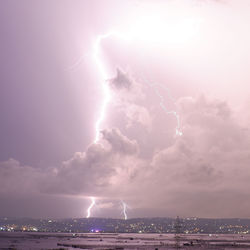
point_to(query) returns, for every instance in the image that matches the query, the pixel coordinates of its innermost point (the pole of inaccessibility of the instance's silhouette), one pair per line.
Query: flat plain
(98, 241)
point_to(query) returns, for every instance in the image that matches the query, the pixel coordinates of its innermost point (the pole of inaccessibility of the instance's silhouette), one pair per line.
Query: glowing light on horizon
(90, 207)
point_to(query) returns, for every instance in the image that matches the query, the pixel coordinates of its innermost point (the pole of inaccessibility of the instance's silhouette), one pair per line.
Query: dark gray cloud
(121, 80)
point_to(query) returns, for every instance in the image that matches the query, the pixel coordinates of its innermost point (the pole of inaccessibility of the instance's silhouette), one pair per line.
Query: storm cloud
(200, 170)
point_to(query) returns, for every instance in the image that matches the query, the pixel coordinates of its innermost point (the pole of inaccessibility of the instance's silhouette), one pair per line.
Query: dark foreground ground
(25, 241)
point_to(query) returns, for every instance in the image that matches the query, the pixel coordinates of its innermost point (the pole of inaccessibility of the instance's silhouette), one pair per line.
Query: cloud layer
(205, 172)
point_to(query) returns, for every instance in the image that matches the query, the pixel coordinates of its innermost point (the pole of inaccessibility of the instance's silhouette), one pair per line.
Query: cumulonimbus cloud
(204, 171)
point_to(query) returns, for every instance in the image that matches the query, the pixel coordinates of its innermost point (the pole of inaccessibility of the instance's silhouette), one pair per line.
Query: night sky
(137, 102)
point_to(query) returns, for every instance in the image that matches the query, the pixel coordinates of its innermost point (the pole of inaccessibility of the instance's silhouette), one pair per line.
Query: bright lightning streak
(90, 207)
(104, 77)
(106, 91)
(178, 131)
(124, 210)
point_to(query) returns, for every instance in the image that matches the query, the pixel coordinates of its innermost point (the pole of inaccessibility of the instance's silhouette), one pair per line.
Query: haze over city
(125, 109)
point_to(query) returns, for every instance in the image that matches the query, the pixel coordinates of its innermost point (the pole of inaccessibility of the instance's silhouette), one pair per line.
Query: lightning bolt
(178, 131)
(104, 76)
(124, 210)
(156, 87)
(90, 207)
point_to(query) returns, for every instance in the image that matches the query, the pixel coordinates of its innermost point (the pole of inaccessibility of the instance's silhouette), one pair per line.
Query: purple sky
(167, 62)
